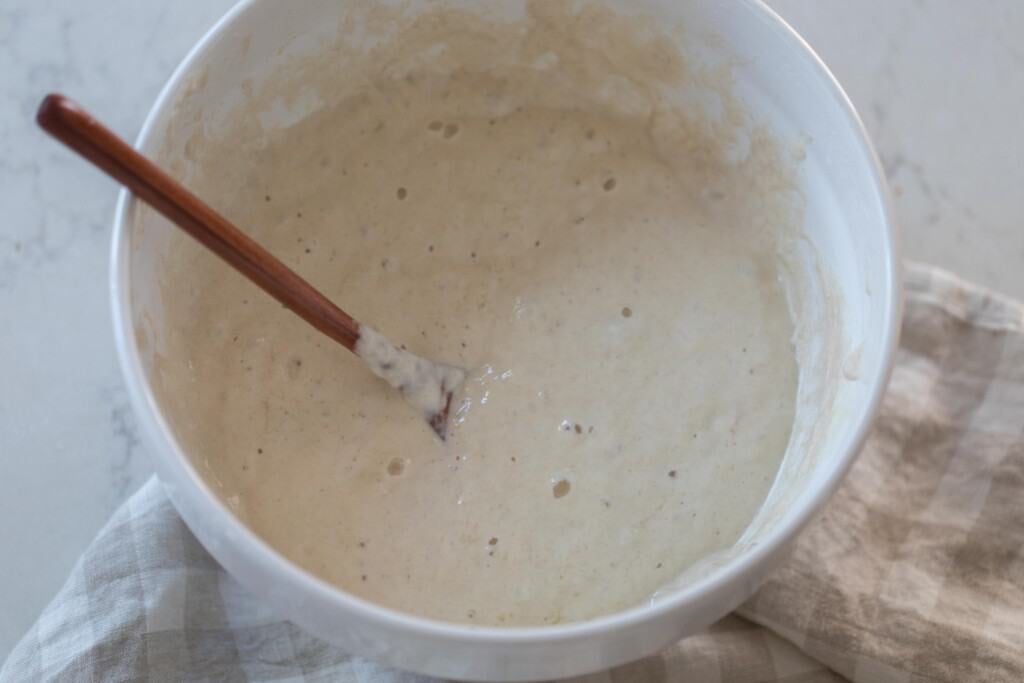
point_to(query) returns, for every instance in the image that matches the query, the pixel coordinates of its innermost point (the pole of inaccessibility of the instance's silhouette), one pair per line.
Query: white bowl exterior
(848, 219)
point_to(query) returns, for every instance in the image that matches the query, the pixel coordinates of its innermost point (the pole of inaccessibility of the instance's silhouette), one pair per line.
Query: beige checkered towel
(915, 572)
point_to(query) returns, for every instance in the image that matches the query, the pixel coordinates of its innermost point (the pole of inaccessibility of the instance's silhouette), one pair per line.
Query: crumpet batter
(521, 202)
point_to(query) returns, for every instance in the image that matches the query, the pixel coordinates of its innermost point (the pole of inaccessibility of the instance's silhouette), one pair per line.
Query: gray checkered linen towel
(915, 571)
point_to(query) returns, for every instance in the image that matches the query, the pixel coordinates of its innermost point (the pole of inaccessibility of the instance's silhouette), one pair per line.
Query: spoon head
(439, 420)
(427, 386)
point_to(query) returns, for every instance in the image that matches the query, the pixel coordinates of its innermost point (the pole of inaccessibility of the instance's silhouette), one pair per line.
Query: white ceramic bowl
(848, 218)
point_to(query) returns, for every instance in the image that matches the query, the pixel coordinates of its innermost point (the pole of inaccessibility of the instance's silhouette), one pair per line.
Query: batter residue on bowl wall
(531, 200)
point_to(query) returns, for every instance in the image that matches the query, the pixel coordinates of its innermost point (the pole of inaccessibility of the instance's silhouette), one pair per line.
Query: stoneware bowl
(848, 220)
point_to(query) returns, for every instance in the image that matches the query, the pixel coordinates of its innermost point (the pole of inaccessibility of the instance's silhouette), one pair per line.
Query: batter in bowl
(606, 264)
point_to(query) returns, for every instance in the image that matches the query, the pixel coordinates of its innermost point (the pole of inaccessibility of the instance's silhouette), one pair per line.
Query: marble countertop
(940, 85)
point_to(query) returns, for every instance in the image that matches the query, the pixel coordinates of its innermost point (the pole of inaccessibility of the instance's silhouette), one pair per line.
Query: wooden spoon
(428, 386)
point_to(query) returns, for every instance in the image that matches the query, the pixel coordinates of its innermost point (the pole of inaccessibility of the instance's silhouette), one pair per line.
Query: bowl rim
(167, 449)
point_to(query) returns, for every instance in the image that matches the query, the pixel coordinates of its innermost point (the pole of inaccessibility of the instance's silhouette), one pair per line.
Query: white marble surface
(940, 84)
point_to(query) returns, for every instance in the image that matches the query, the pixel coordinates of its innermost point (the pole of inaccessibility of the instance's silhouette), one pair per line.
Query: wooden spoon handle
(68, 122)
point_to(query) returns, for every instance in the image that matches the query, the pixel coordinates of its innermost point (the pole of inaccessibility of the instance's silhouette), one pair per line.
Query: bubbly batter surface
(608, 271)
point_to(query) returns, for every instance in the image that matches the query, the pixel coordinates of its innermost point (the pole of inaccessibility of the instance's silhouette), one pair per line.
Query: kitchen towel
(913, 573)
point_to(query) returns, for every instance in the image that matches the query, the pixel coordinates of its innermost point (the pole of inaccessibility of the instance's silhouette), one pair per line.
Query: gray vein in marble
(126, 445)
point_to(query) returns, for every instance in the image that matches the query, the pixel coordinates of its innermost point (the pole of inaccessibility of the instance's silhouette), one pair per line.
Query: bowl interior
(846, 224)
